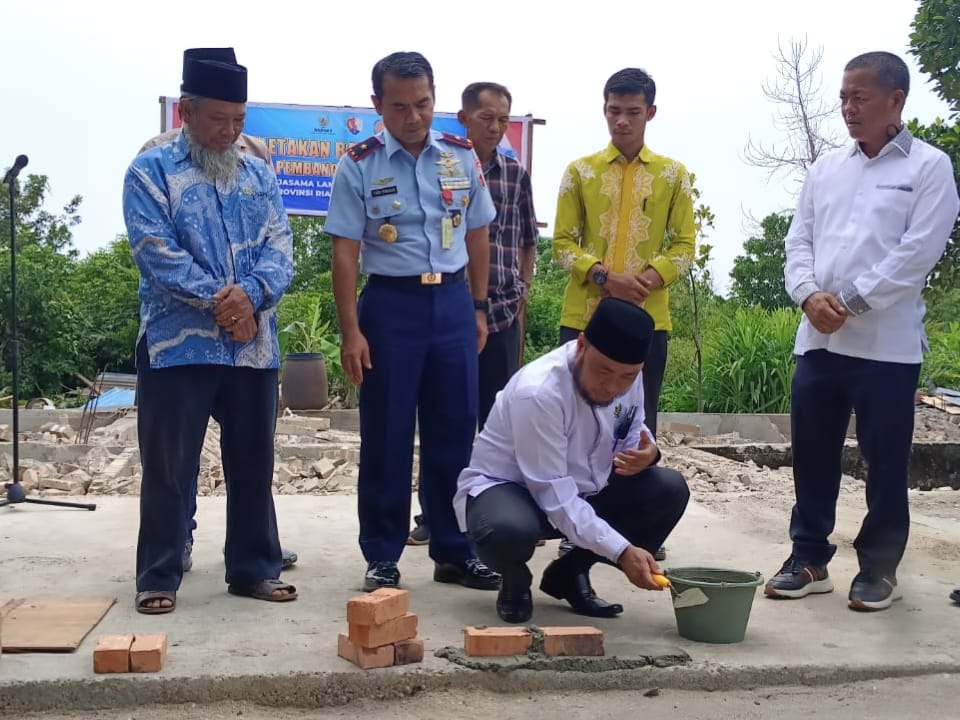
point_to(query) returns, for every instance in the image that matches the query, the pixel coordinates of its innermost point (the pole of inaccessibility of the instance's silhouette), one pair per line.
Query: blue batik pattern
(191, 237)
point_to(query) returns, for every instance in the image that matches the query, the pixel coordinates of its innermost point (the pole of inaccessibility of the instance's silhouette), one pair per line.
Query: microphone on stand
(19, 164)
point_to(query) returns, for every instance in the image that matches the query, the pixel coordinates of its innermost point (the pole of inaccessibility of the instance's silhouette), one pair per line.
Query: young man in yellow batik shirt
(625, 227)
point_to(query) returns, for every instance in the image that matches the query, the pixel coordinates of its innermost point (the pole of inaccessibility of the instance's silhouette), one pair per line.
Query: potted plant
(304, 349)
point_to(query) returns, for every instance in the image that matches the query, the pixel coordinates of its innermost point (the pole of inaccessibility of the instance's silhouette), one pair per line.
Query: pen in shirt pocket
(622, 428)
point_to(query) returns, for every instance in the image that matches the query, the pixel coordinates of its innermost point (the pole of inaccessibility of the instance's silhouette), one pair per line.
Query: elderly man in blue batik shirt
(209, 234)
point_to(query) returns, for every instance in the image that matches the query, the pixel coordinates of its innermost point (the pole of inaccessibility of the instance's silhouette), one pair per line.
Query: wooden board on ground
(51, 625)
(940, 404)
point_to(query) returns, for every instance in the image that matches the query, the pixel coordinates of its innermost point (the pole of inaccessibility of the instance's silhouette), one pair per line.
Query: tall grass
(748, 361)
(679, 391)
(747, 364)
(941, 365)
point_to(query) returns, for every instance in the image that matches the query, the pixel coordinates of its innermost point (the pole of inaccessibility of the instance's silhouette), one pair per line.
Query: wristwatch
(600, 276)
(482, 304)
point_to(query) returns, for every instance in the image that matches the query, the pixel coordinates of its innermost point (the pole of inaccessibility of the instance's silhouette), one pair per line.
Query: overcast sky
(81, 82)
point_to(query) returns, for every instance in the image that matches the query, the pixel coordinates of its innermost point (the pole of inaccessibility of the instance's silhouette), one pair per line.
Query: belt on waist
(428, 278)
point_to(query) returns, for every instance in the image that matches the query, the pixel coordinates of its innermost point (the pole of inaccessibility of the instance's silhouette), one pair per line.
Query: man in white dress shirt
(565, 452)
(872, 220)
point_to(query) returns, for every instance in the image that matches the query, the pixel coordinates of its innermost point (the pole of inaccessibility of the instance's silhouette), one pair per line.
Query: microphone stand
(15, 492)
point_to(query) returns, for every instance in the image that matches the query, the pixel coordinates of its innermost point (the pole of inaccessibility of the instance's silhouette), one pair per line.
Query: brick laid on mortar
(572, 641)
(366, 658)
(408, 651)
(377, 607)
(148, 653)
(385, 633)
(112, 654)
(496, 641)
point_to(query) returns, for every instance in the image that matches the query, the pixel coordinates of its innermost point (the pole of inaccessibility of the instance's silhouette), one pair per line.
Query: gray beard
(217, 166)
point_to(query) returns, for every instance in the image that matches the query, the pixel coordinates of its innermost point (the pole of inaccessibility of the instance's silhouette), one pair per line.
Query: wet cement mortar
(536, 659)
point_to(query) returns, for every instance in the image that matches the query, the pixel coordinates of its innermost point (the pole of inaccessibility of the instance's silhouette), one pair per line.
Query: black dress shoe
(188, 556)
(575, 588)
(472, 574)
(514, 604)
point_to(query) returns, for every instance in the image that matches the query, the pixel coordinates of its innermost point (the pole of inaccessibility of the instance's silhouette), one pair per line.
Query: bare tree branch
(801, 113)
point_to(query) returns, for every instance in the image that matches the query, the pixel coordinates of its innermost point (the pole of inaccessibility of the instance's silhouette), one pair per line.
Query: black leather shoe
(381, 573)
(576, 590)
(472, 574)
(288, 558)
(514, 603)
(188, 556)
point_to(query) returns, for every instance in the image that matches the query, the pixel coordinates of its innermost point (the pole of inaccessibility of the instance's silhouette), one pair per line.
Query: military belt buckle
(431, 278)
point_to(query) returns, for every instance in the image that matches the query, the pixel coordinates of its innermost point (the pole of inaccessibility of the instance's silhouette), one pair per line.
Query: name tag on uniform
(446, 228)
(380, 192)
(448, 183)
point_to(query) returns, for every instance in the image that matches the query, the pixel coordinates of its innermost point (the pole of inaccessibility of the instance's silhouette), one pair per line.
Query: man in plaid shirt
(485, 113)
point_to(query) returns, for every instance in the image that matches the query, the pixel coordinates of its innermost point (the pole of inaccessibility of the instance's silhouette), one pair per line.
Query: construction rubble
(314, 458)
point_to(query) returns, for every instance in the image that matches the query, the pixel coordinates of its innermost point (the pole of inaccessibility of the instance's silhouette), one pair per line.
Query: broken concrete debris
(314, 458)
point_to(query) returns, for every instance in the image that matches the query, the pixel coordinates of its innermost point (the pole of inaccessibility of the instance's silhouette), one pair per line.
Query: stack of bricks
(507, 641)
(129, 653)
(381, 631)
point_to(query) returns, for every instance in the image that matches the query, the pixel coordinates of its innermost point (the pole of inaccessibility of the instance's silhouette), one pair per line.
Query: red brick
(377, 607)
(148, 653)
(496, 641)
(408, 651)
(366, 658)
(386, 633)
(112, 654)
(572, 641)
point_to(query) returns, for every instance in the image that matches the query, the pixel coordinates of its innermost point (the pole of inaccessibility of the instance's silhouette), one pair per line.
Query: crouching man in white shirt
(565, 452)
(872, 221)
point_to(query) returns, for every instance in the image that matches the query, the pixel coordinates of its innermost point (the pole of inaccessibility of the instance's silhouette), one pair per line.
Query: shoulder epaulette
(360, 150)
(457, 140)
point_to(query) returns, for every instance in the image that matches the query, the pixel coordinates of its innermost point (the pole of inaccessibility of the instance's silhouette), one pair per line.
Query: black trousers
(174, 407)
(499, 360)
(506, 522)
(826, 388)
(653, 370)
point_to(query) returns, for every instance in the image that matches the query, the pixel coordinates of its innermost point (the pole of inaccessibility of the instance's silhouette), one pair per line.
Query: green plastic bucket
(712, 605)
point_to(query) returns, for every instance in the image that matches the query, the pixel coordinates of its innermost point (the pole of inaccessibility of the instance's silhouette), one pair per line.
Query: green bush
(679, 391)
(748, 361)
(941, 366)
(543, 320)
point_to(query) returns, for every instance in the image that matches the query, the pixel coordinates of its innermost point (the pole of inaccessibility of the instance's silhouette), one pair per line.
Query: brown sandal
(147, 595)
(264, 590)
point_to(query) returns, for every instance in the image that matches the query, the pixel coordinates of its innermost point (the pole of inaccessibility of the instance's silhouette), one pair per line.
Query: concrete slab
(223, 647)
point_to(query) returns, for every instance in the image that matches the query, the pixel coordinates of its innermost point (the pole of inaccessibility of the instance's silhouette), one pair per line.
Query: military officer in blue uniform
(413, 204)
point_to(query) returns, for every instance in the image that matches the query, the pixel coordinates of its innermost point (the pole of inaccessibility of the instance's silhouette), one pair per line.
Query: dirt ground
(768, 494)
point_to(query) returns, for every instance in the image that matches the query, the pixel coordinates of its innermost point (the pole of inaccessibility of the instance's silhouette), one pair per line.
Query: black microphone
(19, 164)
